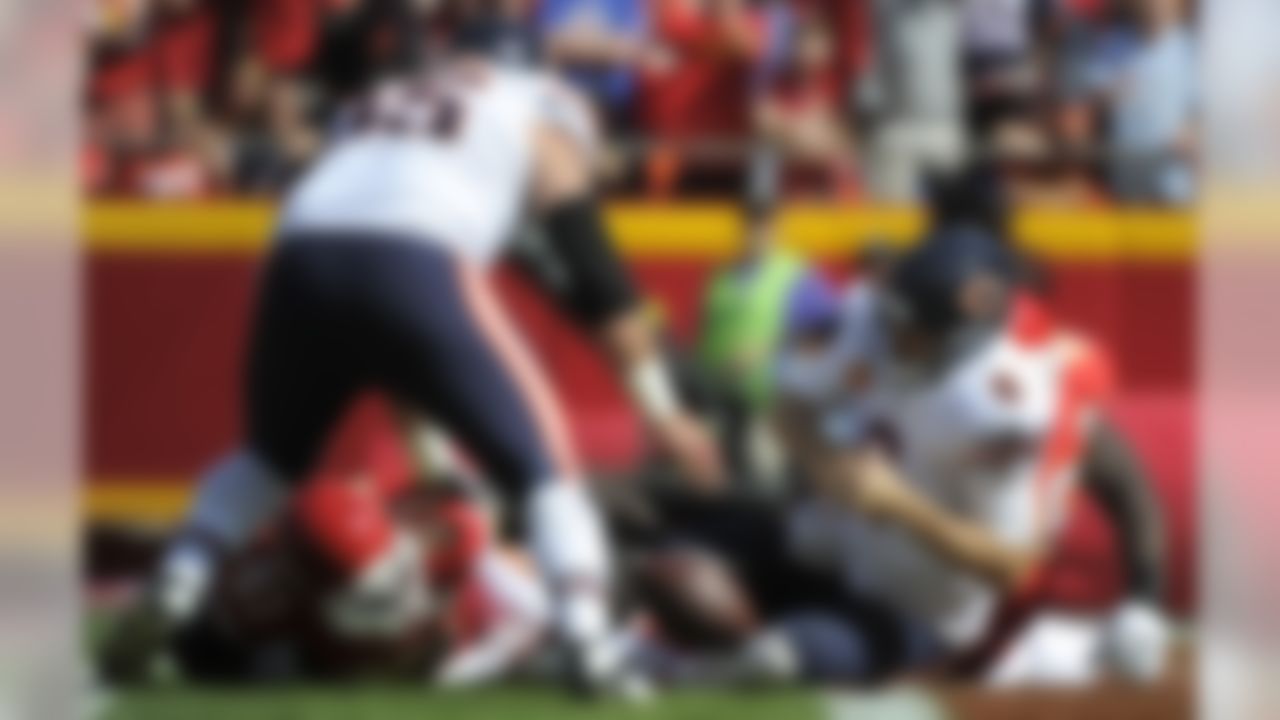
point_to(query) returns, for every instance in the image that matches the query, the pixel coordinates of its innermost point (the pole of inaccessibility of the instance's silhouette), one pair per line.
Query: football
(695, 598)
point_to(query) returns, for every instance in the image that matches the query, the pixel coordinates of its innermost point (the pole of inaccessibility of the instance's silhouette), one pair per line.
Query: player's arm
(598, 292)
(868, 481)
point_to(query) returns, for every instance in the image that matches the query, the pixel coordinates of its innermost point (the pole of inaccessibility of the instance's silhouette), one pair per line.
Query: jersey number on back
(423, 109)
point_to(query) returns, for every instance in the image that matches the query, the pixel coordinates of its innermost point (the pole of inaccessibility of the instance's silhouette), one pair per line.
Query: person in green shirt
(744, 314)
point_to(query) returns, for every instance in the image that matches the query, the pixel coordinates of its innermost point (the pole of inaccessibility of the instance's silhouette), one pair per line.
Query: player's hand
(687, 442)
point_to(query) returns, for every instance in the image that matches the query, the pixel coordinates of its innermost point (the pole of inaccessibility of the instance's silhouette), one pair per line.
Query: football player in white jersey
(380, 278)
(943, 439)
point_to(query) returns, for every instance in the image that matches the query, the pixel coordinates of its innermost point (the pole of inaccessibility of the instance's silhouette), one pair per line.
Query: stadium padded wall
(169, 289)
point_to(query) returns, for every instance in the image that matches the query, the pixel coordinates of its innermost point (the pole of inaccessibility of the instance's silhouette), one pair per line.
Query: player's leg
(457, 356)
(837, 633)
(819, 645)
(232, 499)
(830, 646)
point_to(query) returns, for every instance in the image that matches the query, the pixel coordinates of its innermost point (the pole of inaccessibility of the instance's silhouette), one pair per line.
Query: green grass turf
(390, 702)
(384, 703)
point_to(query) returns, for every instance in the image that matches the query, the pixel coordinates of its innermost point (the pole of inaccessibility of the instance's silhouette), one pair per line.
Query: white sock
(567, 538)
(183, 578)
(233, 500)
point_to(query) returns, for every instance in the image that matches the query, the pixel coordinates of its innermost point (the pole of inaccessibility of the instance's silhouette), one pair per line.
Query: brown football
(695, 598)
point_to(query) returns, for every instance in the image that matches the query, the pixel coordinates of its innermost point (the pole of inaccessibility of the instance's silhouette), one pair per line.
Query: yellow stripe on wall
(178, 227)
(681, 231)
(157, 501)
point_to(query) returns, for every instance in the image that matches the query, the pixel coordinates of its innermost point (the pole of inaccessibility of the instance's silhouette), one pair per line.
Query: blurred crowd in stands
(1072, 101)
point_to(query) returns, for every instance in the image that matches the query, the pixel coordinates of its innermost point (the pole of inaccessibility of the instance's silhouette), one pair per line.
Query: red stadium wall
(169, 291)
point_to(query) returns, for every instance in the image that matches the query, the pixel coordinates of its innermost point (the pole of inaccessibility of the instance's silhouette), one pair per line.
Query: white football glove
(1135, 642)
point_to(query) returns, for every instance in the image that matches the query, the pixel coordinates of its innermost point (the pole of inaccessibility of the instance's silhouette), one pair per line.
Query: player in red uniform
(363, 576)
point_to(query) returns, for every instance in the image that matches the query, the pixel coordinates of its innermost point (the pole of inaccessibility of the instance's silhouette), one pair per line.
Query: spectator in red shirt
(715, 44)
(149, 81)
(182, 45)
(117, 57)
(704, 92)
(800, 113)
(120, 114)
(282, 34)
(849, 23)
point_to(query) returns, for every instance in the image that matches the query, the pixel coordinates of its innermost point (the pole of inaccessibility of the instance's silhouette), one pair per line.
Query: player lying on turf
(361, 577)
(943, 419)
(380, 278)
(944, 422)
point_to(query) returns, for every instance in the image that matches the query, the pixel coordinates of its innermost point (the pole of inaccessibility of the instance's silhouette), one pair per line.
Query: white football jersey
(974, 439)
(444, 158)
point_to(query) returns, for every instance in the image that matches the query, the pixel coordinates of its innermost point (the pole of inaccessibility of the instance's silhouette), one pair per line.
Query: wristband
(652, 389)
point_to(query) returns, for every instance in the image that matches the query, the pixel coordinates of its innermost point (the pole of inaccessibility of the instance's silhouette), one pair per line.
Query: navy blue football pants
(345, 313)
